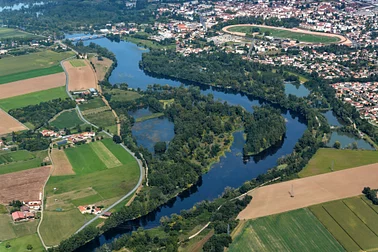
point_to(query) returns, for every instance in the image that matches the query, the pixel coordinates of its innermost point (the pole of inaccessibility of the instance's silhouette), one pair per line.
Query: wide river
(231, 171)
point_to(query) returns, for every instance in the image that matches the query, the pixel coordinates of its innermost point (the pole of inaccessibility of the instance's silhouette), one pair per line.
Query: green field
(77, 63)
(322, 161)
(284, 34)
(33, 98)
(67, 119)
(20, 244)
(6, 33)
(92, 183)
(92, 104)
(297, 230)
(102, 119)
(9, 230)
(122, 95)
(20, 160)
(353, 222)
(30, 74)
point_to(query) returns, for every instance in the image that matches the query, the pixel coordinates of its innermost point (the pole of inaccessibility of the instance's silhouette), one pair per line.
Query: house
(79, 100)
(107, 214)
(25, 208)
(89, 209)
(18, 216)
(33, 204)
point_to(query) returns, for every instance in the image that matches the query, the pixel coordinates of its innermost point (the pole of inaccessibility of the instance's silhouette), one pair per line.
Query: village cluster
(27, 211)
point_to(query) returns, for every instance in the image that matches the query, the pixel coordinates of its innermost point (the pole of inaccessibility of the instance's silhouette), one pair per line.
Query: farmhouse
(20, 216)
(33, 204)
(89, 209)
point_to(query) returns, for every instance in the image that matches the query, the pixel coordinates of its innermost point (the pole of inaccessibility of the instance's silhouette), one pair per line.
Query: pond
(300, 90)
(332, 119)
(346, 139)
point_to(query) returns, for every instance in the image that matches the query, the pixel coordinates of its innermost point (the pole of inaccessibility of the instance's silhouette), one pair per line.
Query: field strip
(273, 199)
(8, 124)
(105, 155)
(95, 110)
(80, 78)
(61, 164)
(343, 40)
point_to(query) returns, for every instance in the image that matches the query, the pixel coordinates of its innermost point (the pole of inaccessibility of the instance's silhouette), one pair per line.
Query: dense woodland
(30, 140)
(264, 128)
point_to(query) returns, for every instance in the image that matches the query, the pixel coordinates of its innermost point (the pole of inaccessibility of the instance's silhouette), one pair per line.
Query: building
(21, 216)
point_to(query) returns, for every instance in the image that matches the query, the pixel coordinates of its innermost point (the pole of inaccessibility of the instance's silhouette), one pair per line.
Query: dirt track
(9, 124)
(80, 78)
(273, 199)
(32, 85)
(61, 164)
(343, 40)
(23, 185)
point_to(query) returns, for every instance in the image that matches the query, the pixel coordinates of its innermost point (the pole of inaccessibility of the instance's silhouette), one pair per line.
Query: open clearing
(33, 98)
(80, 78)
(8, 124)
(273, 199)
(20, 244)
(61, 164)
(23, 185)
(294, 34)
(101, 66)
(67, 119)
(323, 159)
(32, 85)
(353, 222)
(297, 230)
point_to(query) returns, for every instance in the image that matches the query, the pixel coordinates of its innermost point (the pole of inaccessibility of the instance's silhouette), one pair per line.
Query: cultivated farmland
(101, 66)
(61, 164)
(77, 63)
(19, 244)
(20, 160)
(6, 33)
(23, 185)
(297, 230)
(80, 78)
(67, 119)
(324, 159)
(30, 74)
(273, 199)
(353, 222)
(33, 98)
(105, 155)
(8, 124)
(32, 85)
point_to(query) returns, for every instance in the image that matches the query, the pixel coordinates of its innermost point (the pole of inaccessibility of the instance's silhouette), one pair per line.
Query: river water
(231, 171)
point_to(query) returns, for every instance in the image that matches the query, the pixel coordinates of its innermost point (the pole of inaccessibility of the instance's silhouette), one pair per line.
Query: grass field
(102, 119)
(353, 222)
(6, 33)
(297, 230)
(67, 119)
(92, 104)
(9, 230)
(30, 74)
(32, 61)
(322, 161)
(20, 160)
(20, 244)
(33, 98)
(122, 95)
(279, 33)
(92, 183)
(77, 63)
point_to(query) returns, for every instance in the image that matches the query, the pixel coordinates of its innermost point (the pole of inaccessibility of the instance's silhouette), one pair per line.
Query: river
(231, 171)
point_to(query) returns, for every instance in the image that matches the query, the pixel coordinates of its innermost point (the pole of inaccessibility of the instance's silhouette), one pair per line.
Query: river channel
(231, 171)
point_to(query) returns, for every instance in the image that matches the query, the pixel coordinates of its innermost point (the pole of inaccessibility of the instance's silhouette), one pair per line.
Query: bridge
(89, 37)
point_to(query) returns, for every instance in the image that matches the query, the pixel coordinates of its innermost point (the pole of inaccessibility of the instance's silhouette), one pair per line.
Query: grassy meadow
(33, 98)
(67, 119)
(20, 160)
(104, 173)
(6, 33)
(297, 230)
(279, 33)
(77, 63)
(122, 95)
(94, 103)
(322, 161)
(30, 74)
(20, 244)
(353, 222)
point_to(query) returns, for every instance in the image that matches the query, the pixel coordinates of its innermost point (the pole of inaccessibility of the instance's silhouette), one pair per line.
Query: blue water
(231, 171)
(300, 91)
(332, 119)
(347, 139)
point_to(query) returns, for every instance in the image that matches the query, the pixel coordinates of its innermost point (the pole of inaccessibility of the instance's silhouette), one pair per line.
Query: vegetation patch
(297, 230)
(102, 119)
(33, 98)
(8, 33)
(148, 117)
(77, 63)
(22, 244)
(92, 104)
(327, 160)
(21, 160)
(67, 119)
(30, 74)
(120, 95)
(105, 155)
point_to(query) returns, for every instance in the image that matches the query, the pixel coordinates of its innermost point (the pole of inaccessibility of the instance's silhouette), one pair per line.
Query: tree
(354, 146)
(337, 145)
(29, 247)
(160, 147)
(117, 139)
(7, 245)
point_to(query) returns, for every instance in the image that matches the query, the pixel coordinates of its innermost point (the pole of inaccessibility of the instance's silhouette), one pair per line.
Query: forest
(264, 128)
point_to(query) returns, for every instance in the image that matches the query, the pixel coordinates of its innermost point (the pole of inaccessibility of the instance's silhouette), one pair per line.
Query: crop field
(353, 222)
(33, 98)
(102, 119)
(80, 78)
(31, 74)
(8, 124)
(6, 33)
(92, 183)
(297, 230)
(105, 155)
(20, 244)
(20, 160)
(32, 85)
(14, 156)
(323, 159)
(77, 63)
(61, 164)
(101, 66)
(32, 61)
(289, 34)
(67, 119)
(92, 104)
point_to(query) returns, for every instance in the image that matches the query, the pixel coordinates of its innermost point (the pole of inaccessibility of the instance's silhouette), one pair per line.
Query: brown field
(80, 78)
(61, 164)
(32, 85)
(102, 67)
(23, 185)
(273, 199)
(9, 124)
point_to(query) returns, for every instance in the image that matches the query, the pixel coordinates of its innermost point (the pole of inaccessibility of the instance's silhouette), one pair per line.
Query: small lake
(140, 113)
(332, 119)
(300, 91)
(345, 139)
